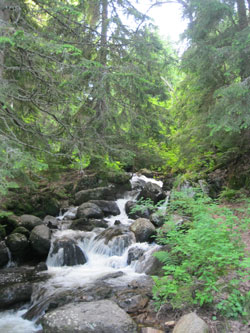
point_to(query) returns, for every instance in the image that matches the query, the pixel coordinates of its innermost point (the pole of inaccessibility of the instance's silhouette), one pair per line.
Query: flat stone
(191, 323)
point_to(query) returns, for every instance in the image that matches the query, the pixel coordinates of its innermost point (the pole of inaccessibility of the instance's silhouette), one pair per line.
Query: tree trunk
(103, 51)
(242, 12)
(4, 17)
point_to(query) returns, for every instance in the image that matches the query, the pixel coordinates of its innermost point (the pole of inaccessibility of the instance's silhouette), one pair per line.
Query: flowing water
(102, 258)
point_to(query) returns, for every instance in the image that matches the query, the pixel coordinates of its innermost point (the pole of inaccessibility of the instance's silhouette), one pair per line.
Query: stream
(103, 260)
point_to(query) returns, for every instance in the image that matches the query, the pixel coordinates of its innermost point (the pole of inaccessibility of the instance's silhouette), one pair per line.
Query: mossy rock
(21, 230)
(10, 222)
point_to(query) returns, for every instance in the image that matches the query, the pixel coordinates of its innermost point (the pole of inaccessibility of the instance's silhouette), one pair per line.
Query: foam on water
(12, 322)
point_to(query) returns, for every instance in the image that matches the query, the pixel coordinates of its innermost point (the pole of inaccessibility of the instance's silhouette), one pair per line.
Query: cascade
(96, 255)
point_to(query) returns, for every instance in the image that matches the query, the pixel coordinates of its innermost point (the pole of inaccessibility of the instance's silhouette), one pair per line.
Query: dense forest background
(91, 84)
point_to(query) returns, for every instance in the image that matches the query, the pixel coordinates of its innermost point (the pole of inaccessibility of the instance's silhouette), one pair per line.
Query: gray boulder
(4, 256)
(191, 323)
(89, 210)
(144, 212)
(100, 193)
(30, 221)
(143, 230)
(158, 218)
(51, 222)
(108, 207)
(149, 265)
(85, 224)
(72, 255)
(152, 191)
(99, 317)
(134, 253)
(40, 239)
(18, 245)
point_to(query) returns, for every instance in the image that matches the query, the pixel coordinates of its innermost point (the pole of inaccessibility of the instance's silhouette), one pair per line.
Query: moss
(2, 232)
(21, 230)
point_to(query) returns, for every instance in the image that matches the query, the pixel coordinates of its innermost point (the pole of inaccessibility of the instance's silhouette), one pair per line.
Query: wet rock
(42, 266)
(15, 294)
(134, 254)
(51, 222)
(107, 207)
(40, 239)
(4, 256)
(30, 221)
(100, 193)
(89, 317)
(191, 323)
(18, 245)
(85, 224)
(149, 265)
(116, 239)
(21, 230)
(158, 219)
(89, 210)
(16, 285)
(72, 254)
(143, 230)
(168, 182)
(132, 301)
(144, 212)
(152, 191)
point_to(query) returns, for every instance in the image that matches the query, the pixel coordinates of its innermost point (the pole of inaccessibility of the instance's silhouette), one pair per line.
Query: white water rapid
(102, 258)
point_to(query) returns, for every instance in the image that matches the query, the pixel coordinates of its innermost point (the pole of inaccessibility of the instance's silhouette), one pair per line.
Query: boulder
(157, 218)
(100, 193)
(144, 212)
(4, 255)
(8, 222)
(30, 221)
(134, 253)
(117, 239)
(99, 317)
(149, 265)
(191, 323)
(71, 255)
(85, 224)
(18, 245)
(143, 230)
(21, 230)
(40, 239)
(51, 222)
(152, 191)
(107, 207)
(16, 285)
(89, 210)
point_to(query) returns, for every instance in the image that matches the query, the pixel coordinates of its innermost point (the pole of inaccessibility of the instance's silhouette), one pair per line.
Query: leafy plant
(201, 257)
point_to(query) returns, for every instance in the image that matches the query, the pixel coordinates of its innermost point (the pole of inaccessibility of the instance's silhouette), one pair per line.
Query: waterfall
(104, 251)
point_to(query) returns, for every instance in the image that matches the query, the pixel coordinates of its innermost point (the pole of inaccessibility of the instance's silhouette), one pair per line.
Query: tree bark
(104, 32)
(242, 12)
(4, 18)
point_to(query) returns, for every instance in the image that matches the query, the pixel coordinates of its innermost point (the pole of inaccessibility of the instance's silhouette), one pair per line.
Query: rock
(168, 182)
(116, 239)
(72, 254)
(149, 264)
(21, 230)
(158, 218)
(107, 207)
(18, 245)
(42, 266)
(10, 222)
(143, 230)
(99, 317)
(134, 253)
(144, 212)
(100, 193)
(40, 239)
(51, 222)
(191, 323)
(30, 221)
(16, 285)
(89, 210)
(131, 301)
(85, 224)
(4, 256)
(152, 191)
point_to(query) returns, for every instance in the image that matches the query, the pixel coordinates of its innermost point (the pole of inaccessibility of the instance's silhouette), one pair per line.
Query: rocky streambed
(99, 258)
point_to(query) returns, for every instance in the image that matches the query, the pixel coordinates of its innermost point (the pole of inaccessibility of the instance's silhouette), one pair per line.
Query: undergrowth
(206, 264)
